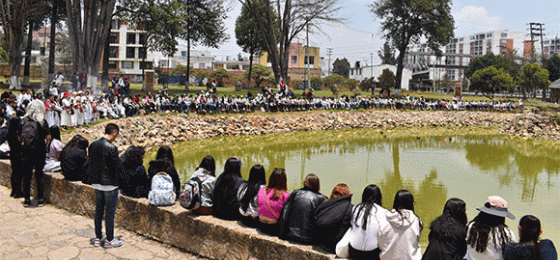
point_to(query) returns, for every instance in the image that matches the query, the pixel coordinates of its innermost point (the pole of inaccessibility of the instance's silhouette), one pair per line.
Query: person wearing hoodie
(165, 162)
(297, 218)
(332, 218)
(362, 239)
(399, 232)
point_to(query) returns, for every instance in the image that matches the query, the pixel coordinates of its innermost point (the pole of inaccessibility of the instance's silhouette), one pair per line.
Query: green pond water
(435, 164)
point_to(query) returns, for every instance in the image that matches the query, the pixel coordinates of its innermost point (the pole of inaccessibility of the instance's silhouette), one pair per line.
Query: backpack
(29, 133)
(162, 192)
(190, 197)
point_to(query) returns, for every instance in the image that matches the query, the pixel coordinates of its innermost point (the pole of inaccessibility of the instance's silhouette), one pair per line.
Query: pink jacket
(276, 205)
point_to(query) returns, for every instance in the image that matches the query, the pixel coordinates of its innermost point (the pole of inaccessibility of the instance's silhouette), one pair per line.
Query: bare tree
(293, 17)
(88, 34)
(15, 14)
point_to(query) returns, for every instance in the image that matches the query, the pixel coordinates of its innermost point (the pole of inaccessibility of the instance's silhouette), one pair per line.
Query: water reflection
(433, 165)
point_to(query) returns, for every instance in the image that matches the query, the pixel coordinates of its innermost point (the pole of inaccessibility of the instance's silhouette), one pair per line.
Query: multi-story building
(429, 69)
(360, 73)
(127, 50)
(298, 61)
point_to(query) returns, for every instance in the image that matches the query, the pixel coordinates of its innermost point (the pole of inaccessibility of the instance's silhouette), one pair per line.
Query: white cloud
(473, 19)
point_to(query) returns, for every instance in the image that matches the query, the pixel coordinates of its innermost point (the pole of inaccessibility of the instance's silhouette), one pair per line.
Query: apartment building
(298, 61)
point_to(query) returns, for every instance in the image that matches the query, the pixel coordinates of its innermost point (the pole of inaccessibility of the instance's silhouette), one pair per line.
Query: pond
(435, 164)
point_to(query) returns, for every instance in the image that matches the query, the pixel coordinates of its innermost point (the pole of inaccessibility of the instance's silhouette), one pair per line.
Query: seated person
(297, 218)
(206, 173)
(271, 199)
(530, 246)
(165, 162)
(133, 179)
(73, 158)
(332, 218)
(247, 196)
(54, 148)
(225, 204)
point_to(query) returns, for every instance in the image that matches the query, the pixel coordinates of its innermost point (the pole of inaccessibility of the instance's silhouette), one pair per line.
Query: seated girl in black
(73, 158)
(133, 179)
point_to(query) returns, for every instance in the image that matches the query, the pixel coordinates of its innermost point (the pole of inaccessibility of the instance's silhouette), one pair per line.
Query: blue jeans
(105, 202)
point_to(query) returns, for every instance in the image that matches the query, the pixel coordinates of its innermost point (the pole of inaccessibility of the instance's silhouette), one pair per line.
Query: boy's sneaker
(114, 243)
(97, 242)
(40, 203)
(26, 203)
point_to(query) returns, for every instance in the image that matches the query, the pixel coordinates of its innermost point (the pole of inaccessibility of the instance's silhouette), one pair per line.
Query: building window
(127, 65)
(143, 39)
(184, 54)
(113, 52)
(311, 60)
(113, 38)
(504, 35)
(294, 59)
(130, 52)
(142, 53)
(147, 65)
(130, 38)
(201, 65)
(163, 63)
(112, 65)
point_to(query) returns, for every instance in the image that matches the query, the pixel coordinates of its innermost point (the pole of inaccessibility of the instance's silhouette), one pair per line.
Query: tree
(259, 74)
(219, 75)
(196, 21)
(387, 81)
(293, 17)
(341, 67)
(552, 64)
(491, 80)
(507, 63)
(387, 54)
(88, 24)
(14, 16)
(533, 77)
(332, 81)
(248, 35)
(405, 22)
(200, 76)
(367, 83)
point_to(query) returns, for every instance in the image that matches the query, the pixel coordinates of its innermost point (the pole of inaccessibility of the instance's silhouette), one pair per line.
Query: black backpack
(29, 133)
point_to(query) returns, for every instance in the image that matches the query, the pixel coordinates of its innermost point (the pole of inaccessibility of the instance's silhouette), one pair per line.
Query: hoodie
(399, 235)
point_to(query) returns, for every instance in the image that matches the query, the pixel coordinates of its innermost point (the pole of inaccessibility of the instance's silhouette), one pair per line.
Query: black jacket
(297, 218)
(225, 204)
(73, 164)
(104, 163)
(447, 240)
(332, 220)
(163, 165)
(134, 182)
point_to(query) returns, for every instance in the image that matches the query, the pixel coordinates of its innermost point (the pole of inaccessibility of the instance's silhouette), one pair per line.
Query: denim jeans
(105, 202)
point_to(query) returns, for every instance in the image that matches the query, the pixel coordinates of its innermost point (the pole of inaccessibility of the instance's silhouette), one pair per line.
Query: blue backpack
(163, 191)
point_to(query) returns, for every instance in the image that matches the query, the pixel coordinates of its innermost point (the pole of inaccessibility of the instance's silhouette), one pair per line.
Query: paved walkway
(52, 233)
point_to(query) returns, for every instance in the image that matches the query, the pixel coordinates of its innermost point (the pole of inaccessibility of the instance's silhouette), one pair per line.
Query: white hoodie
(399, 235)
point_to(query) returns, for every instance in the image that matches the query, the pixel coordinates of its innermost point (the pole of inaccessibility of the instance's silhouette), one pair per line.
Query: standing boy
(102, 174)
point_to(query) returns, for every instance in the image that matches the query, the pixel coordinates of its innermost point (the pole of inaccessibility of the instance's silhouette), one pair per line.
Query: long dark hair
(482, 226)
(208, 163)
(405, 200)
(278, 182)
(54, 132)
(529, 232)
(132, 158)
(370, 196)
(77, 142)
(452, 221)
(226, 183)
(165, 152)
(257, 178)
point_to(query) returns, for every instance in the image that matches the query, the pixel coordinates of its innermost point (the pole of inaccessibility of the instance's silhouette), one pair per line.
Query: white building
(361, 73)
(458, 53)
(198, 60)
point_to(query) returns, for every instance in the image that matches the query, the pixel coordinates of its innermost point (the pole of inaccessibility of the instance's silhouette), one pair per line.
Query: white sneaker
(114, 243)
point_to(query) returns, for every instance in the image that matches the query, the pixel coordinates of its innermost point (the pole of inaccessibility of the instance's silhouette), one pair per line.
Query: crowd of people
(81, 107)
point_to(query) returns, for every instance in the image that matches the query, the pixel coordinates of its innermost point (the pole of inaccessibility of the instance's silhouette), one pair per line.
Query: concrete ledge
(202, 235)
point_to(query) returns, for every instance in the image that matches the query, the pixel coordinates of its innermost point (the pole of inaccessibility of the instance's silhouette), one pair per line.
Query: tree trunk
(250, 68)
(27, 62)
(105, 65)
(52, 45)
(14, 59)
(400, 67)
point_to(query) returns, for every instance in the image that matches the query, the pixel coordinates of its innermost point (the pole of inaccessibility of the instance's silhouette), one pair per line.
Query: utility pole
(371, 54)
(308, 60)
(329, 53)
(536, 31)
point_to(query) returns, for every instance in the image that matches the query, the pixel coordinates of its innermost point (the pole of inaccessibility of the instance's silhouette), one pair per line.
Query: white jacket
(360, 239)
(399, 235)
(491, 251)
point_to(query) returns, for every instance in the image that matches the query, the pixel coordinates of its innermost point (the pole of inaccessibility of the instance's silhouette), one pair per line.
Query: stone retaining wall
(202, 235)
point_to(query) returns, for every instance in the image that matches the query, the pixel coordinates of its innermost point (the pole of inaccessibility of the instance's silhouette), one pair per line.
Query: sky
(360, 35)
